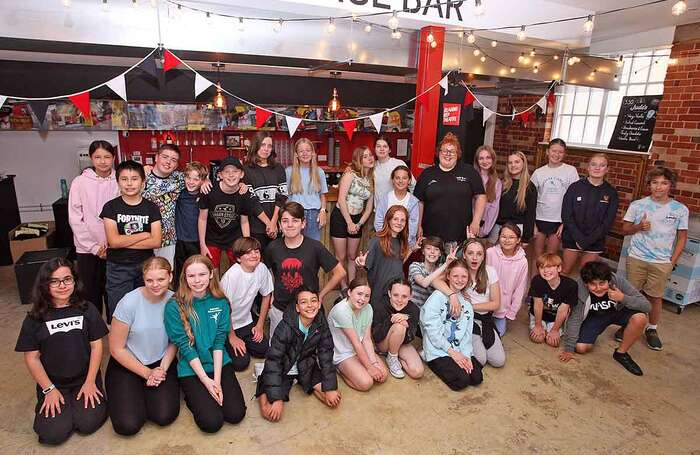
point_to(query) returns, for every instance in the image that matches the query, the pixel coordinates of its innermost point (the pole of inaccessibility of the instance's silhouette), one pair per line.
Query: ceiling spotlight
(680, 7)
(368, 28)
(430, 38)
(532, 52)
(393, 22)
(479, 8)
(476, 52)
(521, 57)
(483, 58)
(471, 38)
(494, 43)
(588, 25)
(521, 33)
(331, 25)
(512, 70)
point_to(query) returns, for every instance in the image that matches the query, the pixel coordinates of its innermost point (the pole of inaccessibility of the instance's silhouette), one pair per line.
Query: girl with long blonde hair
(485, 164)
(307, 186)
(518, 202)
(197, 321)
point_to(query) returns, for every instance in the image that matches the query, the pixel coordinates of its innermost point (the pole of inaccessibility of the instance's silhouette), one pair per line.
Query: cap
(231, 161)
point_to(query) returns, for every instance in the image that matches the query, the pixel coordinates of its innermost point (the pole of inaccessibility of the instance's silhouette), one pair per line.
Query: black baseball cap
(230, 161)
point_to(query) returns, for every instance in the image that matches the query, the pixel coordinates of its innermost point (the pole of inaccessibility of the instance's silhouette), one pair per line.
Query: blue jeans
(312, 229)
(500, 324)
(121, 279)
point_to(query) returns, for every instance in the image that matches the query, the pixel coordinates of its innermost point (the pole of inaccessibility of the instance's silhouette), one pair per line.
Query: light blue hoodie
(441, 332)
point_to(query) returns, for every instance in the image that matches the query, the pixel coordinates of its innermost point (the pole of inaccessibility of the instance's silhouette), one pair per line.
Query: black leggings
(74, 416)
(207, 413)
(93, 274)
(258, 350)
(131, 402)
(453, 375)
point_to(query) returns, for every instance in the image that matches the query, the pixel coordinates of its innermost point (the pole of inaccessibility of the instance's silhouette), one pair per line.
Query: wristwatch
(48, 389)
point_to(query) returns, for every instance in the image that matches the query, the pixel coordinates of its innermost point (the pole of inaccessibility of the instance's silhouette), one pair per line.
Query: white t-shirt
(551, 184)
(393, 200)
(656, 245)
(242, 287)
(382, 178)
(475, 297)
(342, 317)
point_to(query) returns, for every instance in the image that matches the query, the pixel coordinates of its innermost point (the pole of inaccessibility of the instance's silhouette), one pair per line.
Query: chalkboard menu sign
(635, 123)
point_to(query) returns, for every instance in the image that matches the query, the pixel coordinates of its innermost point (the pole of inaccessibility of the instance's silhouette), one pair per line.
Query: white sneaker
(257, 370)
(392, 361)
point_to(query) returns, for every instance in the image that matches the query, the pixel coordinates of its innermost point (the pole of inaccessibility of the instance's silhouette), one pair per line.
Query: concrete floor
(535, 404)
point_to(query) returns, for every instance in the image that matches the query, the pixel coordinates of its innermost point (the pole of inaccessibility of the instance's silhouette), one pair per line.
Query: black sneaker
(626, 361)
(653, 340)
(619, 334)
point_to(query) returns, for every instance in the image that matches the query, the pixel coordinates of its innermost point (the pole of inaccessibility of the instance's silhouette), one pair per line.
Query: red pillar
(426, 113)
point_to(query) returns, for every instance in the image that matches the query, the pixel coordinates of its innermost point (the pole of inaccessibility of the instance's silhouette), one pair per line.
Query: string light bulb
(521, 33)
(512, 70)
(368, 28)
(209, 18)
(521, 57)
(396, 34)
(494, 43)
(331, 25)
(241, 25)
(393, 22)
(433, 44)
(471, 38)
(476, 52)
(615, 78)
(483, 58)
(620, 61)
(555, 57)
(479, 8)
(430, 38)
(277, 26)
(134, 3)
(460, 34)
(588, 25)
(680, 7)
(105, 6)
(535, 69)
(533, 52)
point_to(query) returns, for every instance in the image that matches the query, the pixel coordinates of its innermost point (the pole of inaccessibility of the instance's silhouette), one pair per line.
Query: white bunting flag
(542, 103)
(377, 121)
(292, 124)
(118, 86)
(444, 84)
(487, 115)
(201, 84)
(2, 100)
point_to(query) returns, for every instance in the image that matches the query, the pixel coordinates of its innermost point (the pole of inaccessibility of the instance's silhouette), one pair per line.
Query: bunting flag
(149, 66)
(349, 126)
(261, 116)
(525, 116)
(469, 98)
(292, 124)
(118, 86)
(201, 84)
(82, 102)
(542, 103)
(376, 121)
(487, 115)
(444, 83)
(2, 100)
(39, 108)
(550, 96)
(170, 61)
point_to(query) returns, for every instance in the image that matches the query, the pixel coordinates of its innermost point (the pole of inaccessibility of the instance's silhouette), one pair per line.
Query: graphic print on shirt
(224, 214)
(291, 274)
(132, 224)
(450, 114)
(549, 303)
(603, 303)
(164, 192)
(65, 324)
(214, 313)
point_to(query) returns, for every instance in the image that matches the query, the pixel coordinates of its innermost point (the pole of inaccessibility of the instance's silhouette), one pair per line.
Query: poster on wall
(635, 123)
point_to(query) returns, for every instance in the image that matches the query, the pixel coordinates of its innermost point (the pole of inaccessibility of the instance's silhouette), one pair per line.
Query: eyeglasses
(448, 152)
(67, 281)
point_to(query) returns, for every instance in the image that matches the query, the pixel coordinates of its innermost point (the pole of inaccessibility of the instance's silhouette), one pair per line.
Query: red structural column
(426, 113)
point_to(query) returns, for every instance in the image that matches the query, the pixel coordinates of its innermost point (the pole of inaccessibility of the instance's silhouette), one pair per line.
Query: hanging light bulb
(521, 34)
(532, 52)
(241, 25)
(483, 58)
(430, 38)
(494, 43)
(219, 99)
(535, 69)
(471, 38)
(334, 102)
(277, 26)
(66, 3)
(331, 25)
(512, 70)
(620, 61)
(680, 7)
(588, 25)
(479, 8)
(393, 22)
(368, 28)
(521, 57)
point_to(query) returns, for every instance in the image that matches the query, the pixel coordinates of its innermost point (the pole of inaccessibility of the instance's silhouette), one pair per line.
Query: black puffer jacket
(288, 345)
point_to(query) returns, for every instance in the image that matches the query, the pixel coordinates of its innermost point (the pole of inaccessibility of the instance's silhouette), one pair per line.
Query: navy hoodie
(588, 211)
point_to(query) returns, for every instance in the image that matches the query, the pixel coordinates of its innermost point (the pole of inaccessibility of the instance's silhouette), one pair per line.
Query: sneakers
(626, 361)
(653, 340)
(392, 361)
(618, 335)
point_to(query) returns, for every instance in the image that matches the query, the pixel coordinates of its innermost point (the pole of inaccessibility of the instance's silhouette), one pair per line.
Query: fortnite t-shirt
(130, 219)
(601, 305)
(566, 292)
(292, 267)
(224, 217)
(63, 340)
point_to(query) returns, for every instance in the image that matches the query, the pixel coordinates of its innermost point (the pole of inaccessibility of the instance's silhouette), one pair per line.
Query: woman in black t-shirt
(61, 339)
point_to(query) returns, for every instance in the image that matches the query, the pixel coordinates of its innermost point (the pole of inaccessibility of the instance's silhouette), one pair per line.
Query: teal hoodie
(210, 333)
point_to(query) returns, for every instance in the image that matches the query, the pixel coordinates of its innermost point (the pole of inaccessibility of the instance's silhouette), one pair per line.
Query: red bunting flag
(469, 99)
(525, 116)
(170, 61)
(261, 116)
(550, 97)
(349, 126)
(82, 102)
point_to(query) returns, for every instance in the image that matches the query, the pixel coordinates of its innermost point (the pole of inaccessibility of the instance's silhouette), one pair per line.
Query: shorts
(568, 243)
(339, 228)
(547, 227)
(216, 255)
(595, 324)
(547, 325)
(649, 277)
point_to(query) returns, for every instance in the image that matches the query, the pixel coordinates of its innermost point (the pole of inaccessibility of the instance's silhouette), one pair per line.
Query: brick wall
(677, 132)
(517, 135)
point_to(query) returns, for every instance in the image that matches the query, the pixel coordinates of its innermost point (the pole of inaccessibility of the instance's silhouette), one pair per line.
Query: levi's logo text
(65, 324)
(450, 114)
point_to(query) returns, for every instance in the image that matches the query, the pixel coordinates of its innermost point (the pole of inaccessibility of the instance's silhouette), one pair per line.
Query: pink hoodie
(512, 277)
(88, 194)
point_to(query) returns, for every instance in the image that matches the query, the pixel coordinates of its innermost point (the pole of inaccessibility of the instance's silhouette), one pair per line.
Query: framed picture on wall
(233, 141)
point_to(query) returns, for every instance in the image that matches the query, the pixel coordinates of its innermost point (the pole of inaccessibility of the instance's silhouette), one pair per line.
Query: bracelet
(322, 209)
(47, 390)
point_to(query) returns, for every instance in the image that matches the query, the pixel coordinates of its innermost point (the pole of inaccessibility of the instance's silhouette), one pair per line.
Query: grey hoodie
(633, 300)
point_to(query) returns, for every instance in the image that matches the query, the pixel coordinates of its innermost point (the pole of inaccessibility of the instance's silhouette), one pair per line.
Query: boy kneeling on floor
(301, 350)
(605, 298)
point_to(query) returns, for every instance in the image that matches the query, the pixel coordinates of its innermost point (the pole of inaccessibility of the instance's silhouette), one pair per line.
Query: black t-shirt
(566, 292)
(130, 219)
(447, 197)
(293, 267)
(601, 305)
(63, 341)
(454, 115)
(269, 185)
(224, 217)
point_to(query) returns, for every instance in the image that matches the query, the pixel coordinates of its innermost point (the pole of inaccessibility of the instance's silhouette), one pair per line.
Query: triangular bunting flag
(149, 66)
(39, 108)
(444, 84)
(469, 98)
(170, 61)
(377, 121)
(118, 86)
(550, 97)
(2, 100)
(542, 103)
(201, 83)
(261, 116)
(487, 115)
(292, 124)
(82, 102)
(349, 126)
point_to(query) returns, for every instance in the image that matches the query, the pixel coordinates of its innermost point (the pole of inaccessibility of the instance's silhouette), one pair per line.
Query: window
(587, 115)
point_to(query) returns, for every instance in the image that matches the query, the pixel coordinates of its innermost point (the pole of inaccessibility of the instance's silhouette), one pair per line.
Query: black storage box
(27, 268)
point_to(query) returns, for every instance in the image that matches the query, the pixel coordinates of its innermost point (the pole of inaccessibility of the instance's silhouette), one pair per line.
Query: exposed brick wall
(677, 132)
(516, 135)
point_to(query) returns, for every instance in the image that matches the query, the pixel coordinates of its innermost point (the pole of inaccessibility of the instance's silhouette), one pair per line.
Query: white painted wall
(40, 160)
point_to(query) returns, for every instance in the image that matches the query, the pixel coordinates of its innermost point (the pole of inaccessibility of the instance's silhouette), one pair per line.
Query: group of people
(446, 266)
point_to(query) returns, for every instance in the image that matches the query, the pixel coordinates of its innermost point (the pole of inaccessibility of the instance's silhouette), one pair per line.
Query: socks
(389, 354)
(651, 327)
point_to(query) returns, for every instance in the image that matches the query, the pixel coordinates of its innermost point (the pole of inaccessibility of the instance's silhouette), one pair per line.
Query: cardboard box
(19, 247)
